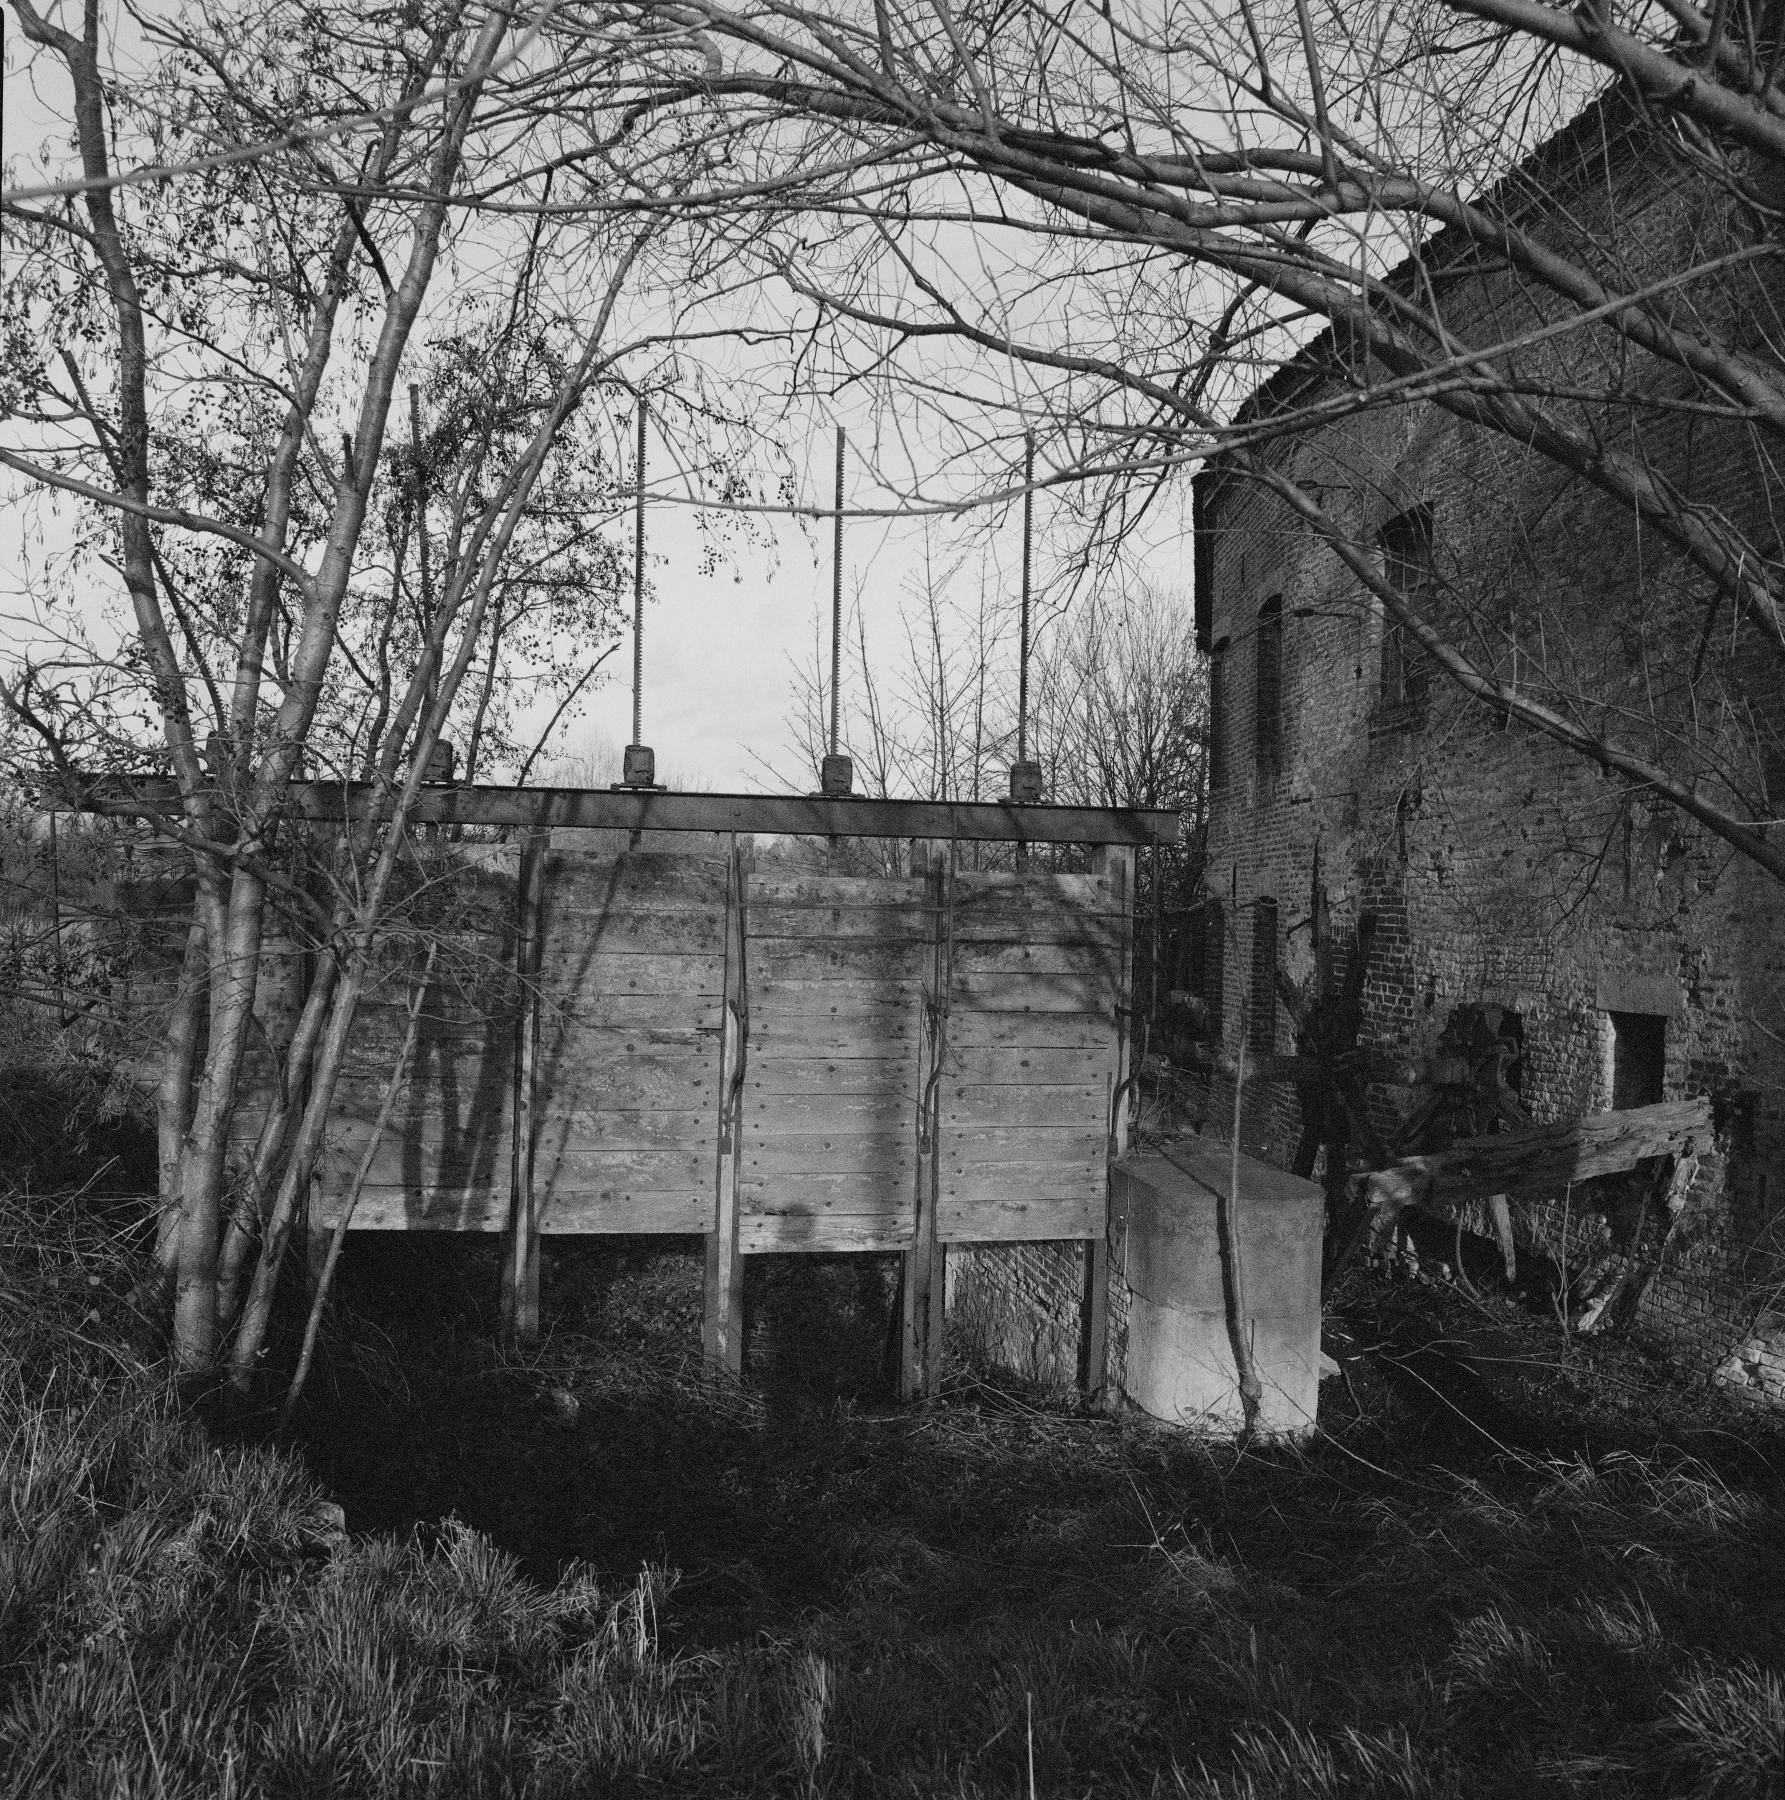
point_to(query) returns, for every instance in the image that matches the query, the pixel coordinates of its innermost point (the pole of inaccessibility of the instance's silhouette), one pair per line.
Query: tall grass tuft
(990, 1596)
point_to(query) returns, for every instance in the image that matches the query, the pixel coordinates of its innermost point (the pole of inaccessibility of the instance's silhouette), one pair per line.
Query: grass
(583, 1572)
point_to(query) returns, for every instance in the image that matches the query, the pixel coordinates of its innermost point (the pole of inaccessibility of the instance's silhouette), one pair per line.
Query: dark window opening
(1408, 567)
(1218, 715)
(1268, 695)
(1638, 1059)
(1261, 1033)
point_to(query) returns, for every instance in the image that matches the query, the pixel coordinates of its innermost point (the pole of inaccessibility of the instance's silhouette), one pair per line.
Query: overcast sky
(720, 644)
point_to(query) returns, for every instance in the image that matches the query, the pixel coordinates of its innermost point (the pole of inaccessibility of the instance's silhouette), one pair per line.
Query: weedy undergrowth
(997, 1595)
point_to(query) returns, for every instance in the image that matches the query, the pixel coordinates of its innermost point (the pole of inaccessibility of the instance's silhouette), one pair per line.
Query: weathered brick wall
(1503, 868)
(1017, 1307)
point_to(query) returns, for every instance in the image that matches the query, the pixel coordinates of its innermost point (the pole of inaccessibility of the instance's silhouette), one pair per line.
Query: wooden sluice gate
(681, 1042)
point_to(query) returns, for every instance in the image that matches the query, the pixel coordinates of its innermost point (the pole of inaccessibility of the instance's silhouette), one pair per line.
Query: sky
(720, 644)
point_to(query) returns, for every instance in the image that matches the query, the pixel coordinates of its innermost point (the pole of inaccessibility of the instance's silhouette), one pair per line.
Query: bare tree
(1117, 222)
(362, 225)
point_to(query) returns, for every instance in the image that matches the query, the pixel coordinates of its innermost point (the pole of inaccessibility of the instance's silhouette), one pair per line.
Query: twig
(1251, 1390)
(393, 1086)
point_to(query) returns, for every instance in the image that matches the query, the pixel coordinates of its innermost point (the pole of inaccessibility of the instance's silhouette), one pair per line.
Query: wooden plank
(777, 1035)
(992, 1220)
(1070, 1144)
(799, 1076)
(639, 880)
(1015, 1066)
(409, 1163)
(625, 1012)
(604, 809)
(1546, 1158)
(680, 1212)
(895, 924)
(590, 1048)
(576, 979)
(880, 1161)
(878, 1112)
(824, 962)
(679, 1085)
(1047, 1180)
(787, 1234)
(573, 930)
(970, 1032)
(1087, 992)
(809, 891)
(387, 1208)
(978, 890)
(1060, 958)
(1033, 1107)
(772, 993)
(644, 1171)
(588, 1132)
(876, 1191)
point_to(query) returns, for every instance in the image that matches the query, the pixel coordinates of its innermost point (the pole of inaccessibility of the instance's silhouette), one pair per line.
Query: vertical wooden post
(923, 1290)
(722, 1327)
(1115, 864)
(520, 1262)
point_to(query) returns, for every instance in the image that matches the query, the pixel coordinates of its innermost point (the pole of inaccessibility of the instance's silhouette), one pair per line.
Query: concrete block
(1180, 1364)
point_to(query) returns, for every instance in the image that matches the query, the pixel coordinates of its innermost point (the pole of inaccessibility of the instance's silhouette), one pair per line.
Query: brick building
(1635, 956)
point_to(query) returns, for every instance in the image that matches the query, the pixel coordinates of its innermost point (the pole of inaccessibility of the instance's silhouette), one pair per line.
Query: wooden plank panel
(1016, 1066)
(571, 980)
(980, 1104)
(675, 1012)
(1102, 959)
(604, 809)
(895, 924)
(617, 1171)
(1069, 1147)
(970, 1031)
(797, 1076)
(583, 1101)
(399, 1162)
(1089, 992)
(419, 1117)
(881, 1112)
(1036, 909)
(771, 993)
(579, 1210)
(823, 961)
(878, 1160)
(1006, 1221)
(874, 1192)
(785, 1234)
(584, 1130)
(695, 932)
(881, 1036)
(1046, 1179)
(590, 882)
(592, 1046)
(388, 1208)
(841, 892)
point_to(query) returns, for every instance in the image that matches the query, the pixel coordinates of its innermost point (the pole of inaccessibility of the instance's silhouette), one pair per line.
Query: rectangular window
(1261, 1007)
(1405, 543)
(1638, 1059)
(1267, 699)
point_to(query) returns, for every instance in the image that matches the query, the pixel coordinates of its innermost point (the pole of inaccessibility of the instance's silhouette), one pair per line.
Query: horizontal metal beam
(630, 809)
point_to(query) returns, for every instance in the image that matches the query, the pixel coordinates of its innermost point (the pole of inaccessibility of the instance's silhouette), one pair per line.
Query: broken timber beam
(1543, 1159)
